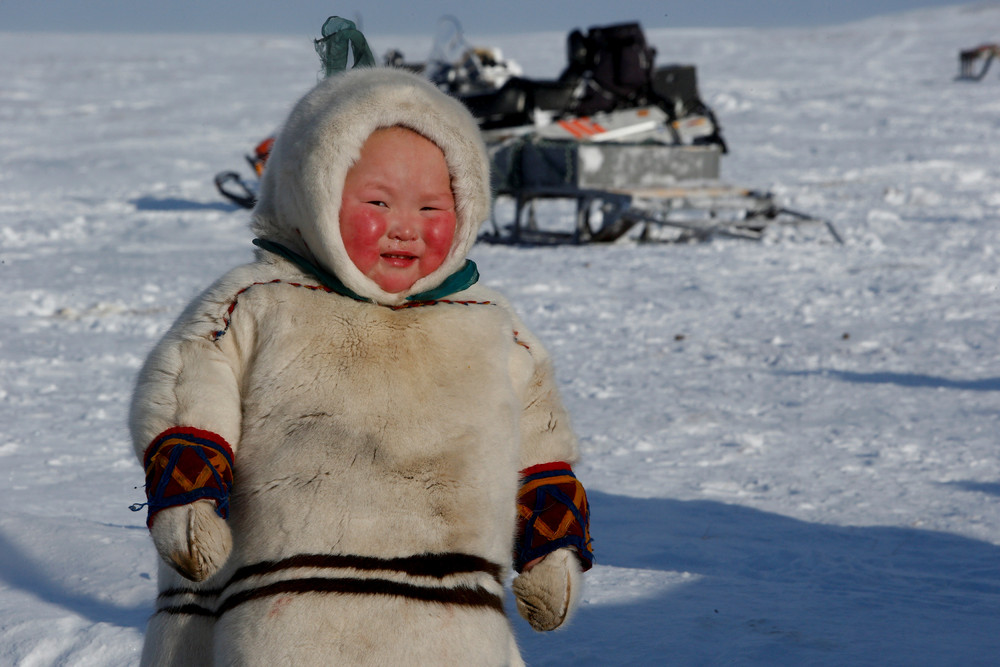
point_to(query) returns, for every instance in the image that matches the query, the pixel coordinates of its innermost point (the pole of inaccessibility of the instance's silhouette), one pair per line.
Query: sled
(644, 191)
(970, 59)
(234, 187)
(679, 214)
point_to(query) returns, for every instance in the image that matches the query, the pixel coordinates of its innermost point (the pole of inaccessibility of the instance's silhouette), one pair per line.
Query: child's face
(397, 213)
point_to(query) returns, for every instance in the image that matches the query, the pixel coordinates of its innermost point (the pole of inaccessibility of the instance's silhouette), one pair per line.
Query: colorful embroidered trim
(521, 342)
(552, 513)
(187, 464)
(228, 317)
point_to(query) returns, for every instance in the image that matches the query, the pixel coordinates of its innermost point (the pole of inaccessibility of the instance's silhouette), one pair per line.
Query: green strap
(464, 278)
(339, 35)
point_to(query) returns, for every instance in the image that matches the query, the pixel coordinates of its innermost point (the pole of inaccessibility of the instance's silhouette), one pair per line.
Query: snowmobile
(610, 68)
(632, 144)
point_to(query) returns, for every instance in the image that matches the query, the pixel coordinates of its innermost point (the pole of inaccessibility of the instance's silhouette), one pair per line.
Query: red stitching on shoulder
(228, 317)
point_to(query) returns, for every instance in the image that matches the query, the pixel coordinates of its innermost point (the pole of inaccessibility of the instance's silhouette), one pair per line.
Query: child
(342, 438)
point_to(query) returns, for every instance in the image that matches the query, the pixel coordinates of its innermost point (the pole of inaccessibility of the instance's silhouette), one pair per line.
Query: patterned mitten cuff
(187, 464)
(552, 513)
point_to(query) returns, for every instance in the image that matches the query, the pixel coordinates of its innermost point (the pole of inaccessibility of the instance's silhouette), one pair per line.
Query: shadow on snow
(762, 589)
(20, 569)
(175, 204)
(912, 380)
(768, 589)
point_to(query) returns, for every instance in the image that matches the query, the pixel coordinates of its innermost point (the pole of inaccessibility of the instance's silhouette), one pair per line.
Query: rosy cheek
(438, 236)
(361, 228)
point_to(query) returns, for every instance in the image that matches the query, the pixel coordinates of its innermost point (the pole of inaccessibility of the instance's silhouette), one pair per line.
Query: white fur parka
(376, 439)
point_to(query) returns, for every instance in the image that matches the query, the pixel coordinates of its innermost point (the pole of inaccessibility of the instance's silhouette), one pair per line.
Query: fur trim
(299, 203)
(192, 539)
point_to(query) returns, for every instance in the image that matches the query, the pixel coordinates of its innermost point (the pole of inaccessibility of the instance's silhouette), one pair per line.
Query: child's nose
(403, 227)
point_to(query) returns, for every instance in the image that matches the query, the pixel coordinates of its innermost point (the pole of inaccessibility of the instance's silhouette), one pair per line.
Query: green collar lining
(465, 277)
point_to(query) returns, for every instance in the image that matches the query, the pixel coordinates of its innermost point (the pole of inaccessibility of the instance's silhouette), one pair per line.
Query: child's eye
(376, 202)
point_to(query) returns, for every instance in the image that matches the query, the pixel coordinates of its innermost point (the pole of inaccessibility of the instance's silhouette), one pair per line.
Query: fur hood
(299, 202)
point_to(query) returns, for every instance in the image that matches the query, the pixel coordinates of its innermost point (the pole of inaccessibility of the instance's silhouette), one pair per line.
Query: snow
(790, 445)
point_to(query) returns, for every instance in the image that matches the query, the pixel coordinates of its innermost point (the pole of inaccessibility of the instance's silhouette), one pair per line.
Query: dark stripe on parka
(435, 566)
(460, 595)
(438, 566)
(187, 609)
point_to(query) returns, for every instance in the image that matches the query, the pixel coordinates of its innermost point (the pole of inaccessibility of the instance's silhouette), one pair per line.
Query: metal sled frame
(692, 212)
(672, 193)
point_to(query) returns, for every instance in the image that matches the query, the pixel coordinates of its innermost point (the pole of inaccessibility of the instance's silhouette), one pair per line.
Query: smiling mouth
(399, 260)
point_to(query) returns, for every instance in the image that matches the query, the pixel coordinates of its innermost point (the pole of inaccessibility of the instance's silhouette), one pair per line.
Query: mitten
(548, 593)
(193, 539)
(189, 475)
